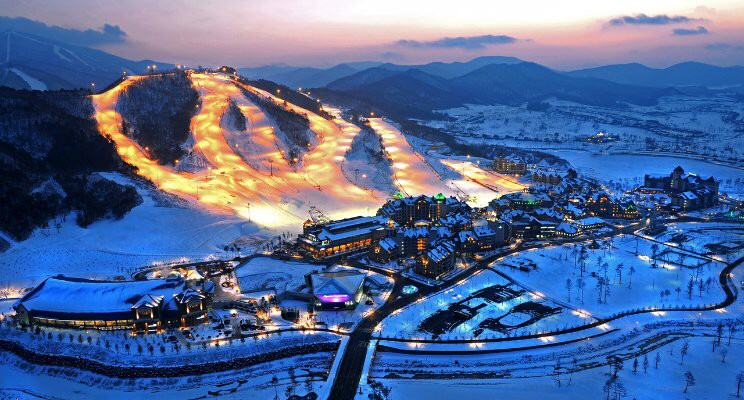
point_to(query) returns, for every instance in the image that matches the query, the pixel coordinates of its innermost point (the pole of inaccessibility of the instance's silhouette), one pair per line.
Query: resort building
(143, 306)
(512, 165)
(337, 290)
(409, 211)
(567, 230)
(326, 240)
(687, 191)
(605, 206)
(437, 261)
(590, 223)
(527, 200)
(385, 250)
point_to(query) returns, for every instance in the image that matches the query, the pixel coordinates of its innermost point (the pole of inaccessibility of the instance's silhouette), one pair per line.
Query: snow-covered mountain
(304, 76)
(318, 77)
(32, 62)
(683, 74)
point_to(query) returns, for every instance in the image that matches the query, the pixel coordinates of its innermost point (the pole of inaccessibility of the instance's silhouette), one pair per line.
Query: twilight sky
(562, 34)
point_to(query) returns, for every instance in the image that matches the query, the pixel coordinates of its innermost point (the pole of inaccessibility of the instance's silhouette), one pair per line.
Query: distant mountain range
(415, 93)
(678, 75)
(305, 77)
(683, 74)
(33, 62)
(308, 77)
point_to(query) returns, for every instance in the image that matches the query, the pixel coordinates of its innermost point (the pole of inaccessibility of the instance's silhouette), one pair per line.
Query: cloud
(89, 37)
(700, 30)
(462, 42)
(723, 47)
(643, 19)
(392, 56)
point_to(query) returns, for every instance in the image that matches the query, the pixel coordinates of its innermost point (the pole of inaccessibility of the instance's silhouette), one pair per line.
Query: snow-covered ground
(627, 290)
(266, 273)
(700, 125)
(722, 240)
(32, 82)
(22, 380)
(629, 169)
(152, 232)
(583, 367)
(501, 310)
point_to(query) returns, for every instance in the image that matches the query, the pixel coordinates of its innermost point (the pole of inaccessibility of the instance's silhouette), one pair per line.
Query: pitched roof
(340, 282)
(62, 295)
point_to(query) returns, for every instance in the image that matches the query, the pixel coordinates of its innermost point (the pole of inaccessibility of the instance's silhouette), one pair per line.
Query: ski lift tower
(317, 216)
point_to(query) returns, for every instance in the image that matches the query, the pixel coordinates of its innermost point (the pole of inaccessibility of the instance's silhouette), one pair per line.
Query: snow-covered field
(723, 240)
(583, 368)
(701, 125)
(508, 311)
(265, 273)
(632, 281)
(150, 233)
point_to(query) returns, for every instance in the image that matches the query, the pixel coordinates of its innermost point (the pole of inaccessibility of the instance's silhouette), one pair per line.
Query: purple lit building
(340, 290)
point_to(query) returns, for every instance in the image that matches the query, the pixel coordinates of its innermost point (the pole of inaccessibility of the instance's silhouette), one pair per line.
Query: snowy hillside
(32, 62)
(709, 127)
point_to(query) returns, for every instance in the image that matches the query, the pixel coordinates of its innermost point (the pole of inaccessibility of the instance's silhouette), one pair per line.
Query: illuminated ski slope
(412, 175)
(251, 198)
(481, 185)
(259, 183)
(231, 185)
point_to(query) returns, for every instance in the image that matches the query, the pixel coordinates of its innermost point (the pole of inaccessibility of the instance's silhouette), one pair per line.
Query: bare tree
(739, 381)
(616, 365)
(683, 352)
(607, 388)
(723, 351)
(618, 389)
(731, 331)
(557, 370)
(289, 391)
(379, 391)
(657, 360)
(274, 383)
(689, 381)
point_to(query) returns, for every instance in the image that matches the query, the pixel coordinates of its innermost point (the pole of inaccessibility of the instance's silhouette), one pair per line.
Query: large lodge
(343, 236)
(143, 306)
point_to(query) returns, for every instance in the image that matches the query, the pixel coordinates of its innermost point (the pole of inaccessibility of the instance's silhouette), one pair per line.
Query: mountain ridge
(33, 62)
(689, 73)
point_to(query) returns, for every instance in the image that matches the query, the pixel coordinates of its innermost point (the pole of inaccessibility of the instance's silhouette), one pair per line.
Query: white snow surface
(148, 234)
(32, 82)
